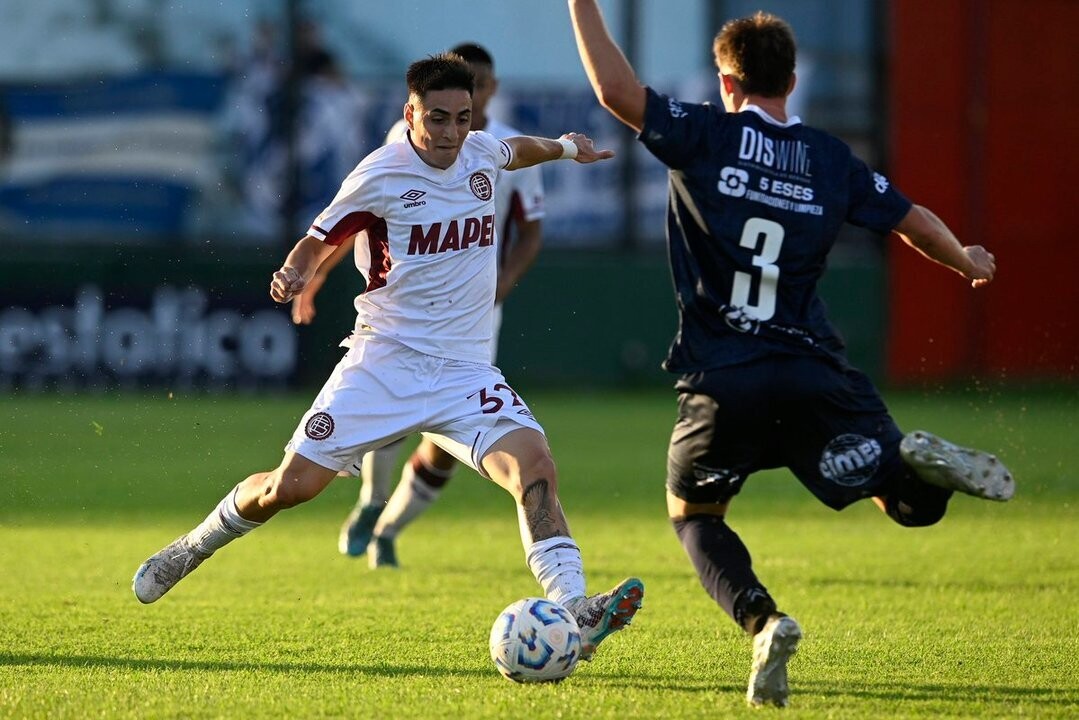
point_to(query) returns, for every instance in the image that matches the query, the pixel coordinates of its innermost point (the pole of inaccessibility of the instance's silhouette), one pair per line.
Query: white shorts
(382, 391)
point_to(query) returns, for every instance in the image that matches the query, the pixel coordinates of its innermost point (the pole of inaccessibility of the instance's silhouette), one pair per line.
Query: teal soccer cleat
(599, 616)
(357, 531)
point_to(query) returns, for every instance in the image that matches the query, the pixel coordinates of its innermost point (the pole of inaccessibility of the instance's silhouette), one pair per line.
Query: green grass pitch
(976, 617)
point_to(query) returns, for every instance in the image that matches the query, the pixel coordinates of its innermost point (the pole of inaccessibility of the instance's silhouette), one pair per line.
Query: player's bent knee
(679, 509)
(431, 454)
(540, 474)
(518, 462)
(285, 492)
(296, 481)
(544, 468)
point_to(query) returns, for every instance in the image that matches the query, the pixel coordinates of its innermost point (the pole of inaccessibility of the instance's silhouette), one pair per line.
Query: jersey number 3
(764, 258)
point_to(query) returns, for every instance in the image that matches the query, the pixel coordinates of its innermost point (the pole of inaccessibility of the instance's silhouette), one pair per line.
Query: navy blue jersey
(755, 206)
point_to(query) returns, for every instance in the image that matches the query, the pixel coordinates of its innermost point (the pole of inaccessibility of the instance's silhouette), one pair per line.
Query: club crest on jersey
(850, 460)
(319, 426)
(481, 186)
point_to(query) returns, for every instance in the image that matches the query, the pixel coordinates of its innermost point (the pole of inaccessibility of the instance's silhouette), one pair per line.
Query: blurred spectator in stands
(6, 133)
(327, 127)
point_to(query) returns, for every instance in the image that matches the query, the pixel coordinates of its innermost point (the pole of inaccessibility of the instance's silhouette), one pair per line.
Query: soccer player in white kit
(377, 519)
(420, 360)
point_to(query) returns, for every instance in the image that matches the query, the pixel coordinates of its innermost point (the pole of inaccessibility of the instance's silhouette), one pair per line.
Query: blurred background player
(757, 200)
(373, 525)
(419, 360)
(329, 109)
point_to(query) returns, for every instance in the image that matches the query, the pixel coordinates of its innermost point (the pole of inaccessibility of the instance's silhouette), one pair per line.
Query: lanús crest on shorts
(481, 186)
(319, 426)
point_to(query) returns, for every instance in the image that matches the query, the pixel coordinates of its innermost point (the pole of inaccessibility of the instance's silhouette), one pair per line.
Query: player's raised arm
(613, 80)
(528, 151)
(928, 234)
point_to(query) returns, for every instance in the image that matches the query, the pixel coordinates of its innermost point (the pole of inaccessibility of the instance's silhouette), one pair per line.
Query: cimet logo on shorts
(850, 459)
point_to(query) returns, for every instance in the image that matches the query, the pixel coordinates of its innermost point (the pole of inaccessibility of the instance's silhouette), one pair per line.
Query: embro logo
(412, 198)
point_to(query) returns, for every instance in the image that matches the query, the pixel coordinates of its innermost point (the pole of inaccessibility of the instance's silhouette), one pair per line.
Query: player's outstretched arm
(299, 266)
(613, 80)
(529, 151)
(928, 234)
(303, 306)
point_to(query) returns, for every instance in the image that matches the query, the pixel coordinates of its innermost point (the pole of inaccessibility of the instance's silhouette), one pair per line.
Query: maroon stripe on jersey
(516, 214)
(378, 244)
(350, 224)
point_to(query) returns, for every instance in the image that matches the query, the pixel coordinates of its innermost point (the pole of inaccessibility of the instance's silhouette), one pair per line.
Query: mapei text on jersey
(457, 235)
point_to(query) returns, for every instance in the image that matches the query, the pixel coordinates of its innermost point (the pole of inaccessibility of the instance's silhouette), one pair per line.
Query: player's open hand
(586, 153)
(983, 265)
(286, 283)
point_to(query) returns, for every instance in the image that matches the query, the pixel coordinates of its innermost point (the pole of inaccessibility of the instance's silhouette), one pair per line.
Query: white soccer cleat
(156, 576)
(772, 648)
(946, 465)
(600, 615)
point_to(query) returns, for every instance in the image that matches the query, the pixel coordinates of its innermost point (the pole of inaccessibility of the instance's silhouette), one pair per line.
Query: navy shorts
(825, 422)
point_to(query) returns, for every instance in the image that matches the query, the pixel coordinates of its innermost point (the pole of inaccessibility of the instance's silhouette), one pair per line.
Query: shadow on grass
(655, 683)
(89, 661)
(634, 680)
(1062, 696)
(978, 585)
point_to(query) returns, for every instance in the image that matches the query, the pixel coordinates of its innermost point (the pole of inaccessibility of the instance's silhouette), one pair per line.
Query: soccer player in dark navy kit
(756, 202)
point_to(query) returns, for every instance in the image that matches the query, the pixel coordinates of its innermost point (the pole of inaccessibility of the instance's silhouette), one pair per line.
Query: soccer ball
(535, 640)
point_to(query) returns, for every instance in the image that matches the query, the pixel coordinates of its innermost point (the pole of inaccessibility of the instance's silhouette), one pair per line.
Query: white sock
(221, 526)
(376, 470)
(408, 502)
(556, 563)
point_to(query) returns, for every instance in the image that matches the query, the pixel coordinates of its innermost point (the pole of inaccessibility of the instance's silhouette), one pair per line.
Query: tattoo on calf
(543, 514)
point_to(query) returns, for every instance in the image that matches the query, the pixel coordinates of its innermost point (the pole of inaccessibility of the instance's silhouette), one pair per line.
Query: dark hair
(445, 71)
(474, 54)
(759, 50)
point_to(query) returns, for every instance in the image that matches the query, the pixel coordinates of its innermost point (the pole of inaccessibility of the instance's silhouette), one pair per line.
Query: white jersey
(429, 256)
(518, 193)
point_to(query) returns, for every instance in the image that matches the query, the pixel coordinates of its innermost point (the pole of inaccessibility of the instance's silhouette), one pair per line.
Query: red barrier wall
(985, 133)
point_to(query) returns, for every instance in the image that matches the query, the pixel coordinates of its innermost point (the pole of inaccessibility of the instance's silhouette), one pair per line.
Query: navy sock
(725, 570)
(912, 502)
